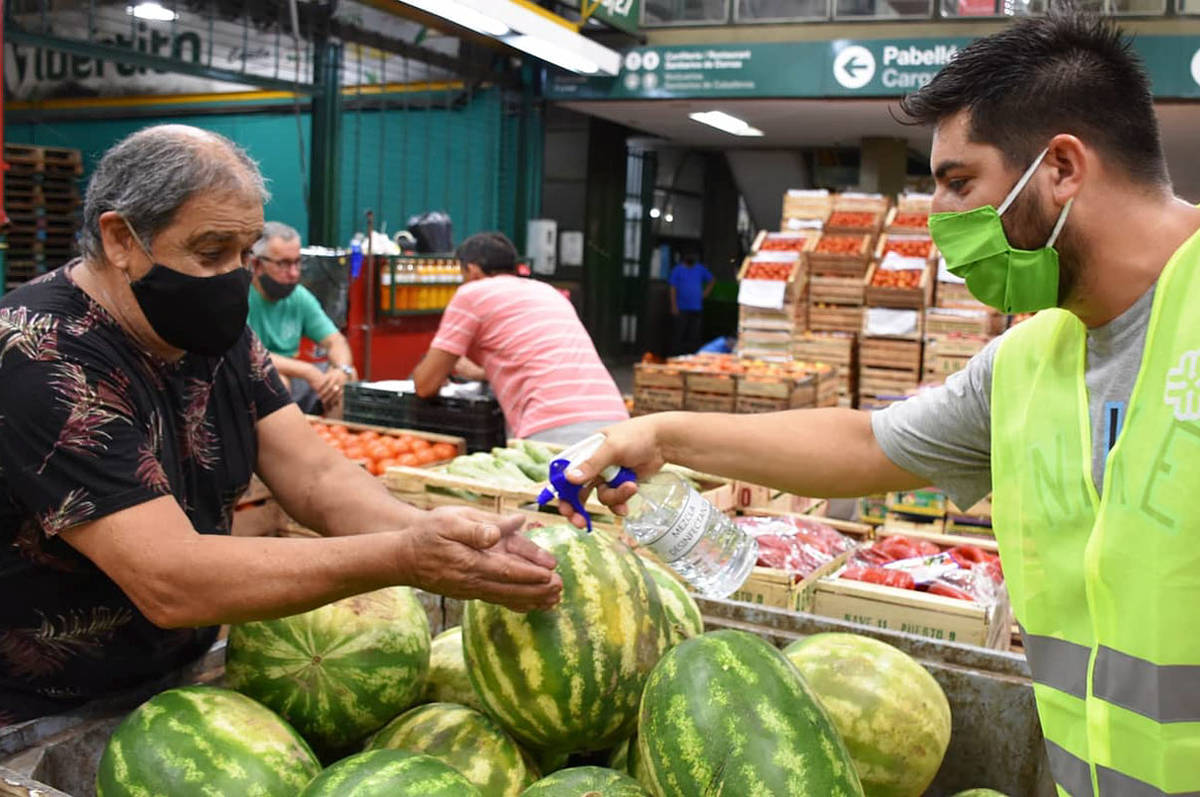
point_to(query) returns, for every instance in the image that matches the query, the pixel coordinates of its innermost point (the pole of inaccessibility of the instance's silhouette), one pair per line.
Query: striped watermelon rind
(569, 679)
(447, 681)
(892, 714)
(726, 712)
(339, 672)
(202, 740)
(683, 615)
(586, 782)
(465, 739)
(390, 773)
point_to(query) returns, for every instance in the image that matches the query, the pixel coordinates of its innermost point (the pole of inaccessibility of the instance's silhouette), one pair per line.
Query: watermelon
(339, 672)
(727, 713)
(892, 714)
(569, 679)
(586, 782)
(201, 740)
(390, 773)
(465, 739)
(683, 615)
(980, 793)
(447, 681)
(620, 757)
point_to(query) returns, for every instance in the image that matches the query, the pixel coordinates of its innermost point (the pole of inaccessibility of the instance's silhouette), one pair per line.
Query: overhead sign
(621, 14)
(839, 68)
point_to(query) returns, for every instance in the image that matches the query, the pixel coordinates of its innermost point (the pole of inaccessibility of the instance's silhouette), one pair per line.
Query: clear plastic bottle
(690, 535)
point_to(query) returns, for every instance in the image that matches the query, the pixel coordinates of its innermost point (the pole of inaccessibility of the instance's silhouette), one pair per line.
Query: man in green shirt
(282, 311)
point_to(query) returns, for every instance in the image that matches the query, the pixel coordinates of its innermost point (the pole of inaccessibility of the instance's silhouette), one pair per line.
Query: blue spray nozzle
(565, 490)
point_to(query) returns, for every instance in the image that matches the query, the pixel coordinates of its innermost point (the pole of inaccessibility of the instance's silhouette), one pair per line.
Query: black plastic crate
(477, 419)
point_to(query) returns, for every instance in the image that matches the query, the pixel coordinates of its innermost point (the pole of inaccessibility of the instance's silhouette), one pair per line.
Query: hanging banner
(839, 68)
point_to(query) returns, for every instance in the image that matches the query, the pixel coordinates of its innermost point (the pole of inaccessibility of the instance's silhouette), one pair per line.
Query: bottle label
(685, 531)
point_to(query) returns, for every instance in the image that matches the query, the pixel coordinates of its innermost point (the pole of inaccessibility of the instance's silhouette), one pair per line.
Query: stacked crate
(41, 197)
(898, 288)
(805, 209)
(953, 335)
(838, 351)
(766, 332)
(795, 385)
(841, 259)
(710, 390)
(657, 388)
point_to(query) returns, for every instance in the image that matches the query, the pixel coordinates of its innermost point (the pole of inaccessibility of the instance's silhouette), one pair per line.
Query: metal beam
(123, 55)
(326, 149)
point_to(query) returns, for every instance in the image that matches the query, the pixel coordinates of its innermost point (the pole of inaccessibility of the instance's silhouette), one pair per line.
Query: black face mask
(202, 315)
(274, 289)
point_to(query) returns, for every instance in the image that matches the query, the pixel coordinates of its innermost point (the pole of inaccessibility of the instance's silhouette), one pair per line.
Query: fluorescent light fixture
(152, 11)
(725, 122)
(552, 52)
(655, 213)
(533, 31)
(462, 14)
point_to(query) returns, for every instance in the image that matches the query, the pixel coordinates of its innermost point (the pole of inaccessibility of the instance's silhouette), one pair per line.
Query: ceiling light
(670, 217)
(152, 11)
(462, 14)
(552, 52)
(655, 213)
(725, 122)
(522, 25)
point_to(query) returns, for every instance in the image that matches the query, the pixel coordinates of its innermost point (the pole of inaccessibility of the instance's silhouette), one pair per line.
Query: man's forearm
(291, 367)
(824, 453)
(339, 351)
(344, 499)
(238, 579)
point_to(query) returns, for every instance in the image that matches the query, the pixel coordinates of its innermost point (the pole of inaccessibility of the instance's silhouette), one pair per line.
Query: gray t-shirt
(945, 434)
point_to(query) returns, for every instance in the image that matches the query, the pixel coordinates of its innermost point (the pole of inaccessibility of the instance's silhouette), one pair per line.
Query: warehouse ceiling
(794, 123)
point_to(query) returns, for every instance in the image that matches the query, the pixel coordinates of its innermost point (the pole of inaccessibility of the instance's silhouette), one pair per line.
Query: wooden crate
(797, 281)
(956, 294)
(914, 203)
(892, 228)
(837, 226)
(855, 201)
(887, 381)
(836, 348)
(847, 264)
(940, 366)
(890, 353)
(956, 345)
(870, 327)
(951, 321)
(791, 317)
(749, 405)
(945, 619)
(871, 401)
(668, 376)
(709, 402)
(834, 289)
(835, 318)
(796, 240)
(657, 399)
(885, 241)
(917, 298)
(710, 382)
(767, 586)
(806, 204)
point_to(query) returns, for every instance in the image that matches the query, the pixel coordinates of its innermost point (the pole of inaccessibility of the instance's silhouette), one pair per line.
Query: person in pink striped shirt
(524, 338)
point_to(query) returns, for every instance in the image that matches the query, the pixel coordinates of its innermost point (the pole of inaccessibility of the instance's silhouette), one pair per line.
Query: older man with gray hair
(282, 311)
(136, 405)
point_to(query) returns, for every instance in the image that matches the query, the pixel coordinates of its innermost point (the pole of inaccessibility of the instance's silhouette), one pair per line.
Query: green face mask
(976, 248)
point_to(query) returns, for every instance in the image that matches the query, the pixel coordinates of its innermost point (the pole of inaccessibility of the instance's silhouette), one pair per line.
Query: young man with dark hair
(1084, 422)
(524, 337)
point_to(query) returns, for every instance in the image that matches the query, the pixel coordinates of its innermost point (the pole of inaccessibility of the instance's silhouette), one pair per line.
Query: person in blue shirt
(691, 283)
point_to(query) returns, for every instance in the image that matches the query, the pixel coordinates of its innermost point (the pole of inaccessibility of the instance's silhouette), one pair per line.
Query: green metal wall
(399, 159)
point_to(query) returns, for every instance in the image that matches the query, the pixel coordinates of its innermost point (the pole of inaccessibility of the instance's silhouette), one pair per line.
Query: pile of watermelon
(616, 692)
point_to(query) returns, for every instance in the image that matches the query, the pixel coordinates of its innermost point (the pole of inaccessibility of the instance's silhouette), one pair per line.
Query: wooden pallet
(40, 158)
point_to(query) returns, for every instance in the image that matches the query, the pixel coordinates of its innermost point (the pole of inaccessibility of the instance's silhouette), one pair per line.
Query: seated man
(282, 311)
(528, 343)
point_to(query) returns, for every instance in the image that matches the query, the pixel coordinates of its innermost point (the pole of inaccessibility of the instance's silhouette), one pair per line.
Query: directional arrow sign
(854, 66)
